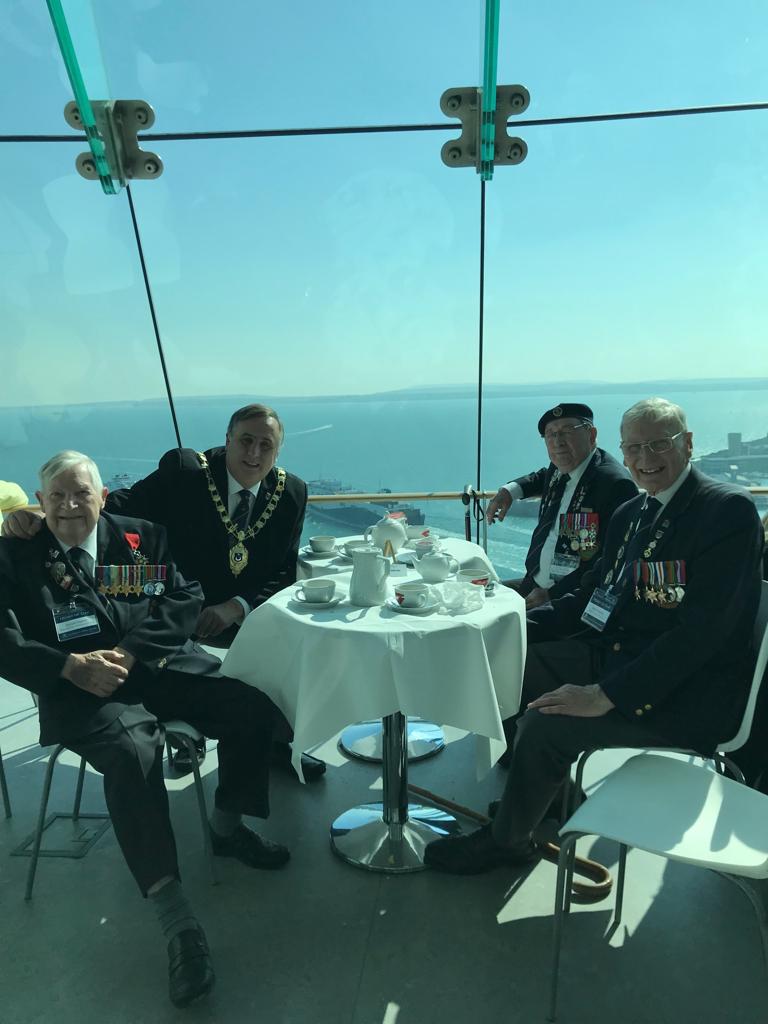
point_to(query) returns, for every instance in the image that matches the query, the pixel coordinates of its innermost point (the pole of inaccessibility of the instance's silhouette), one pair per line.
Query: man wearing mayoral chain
(95, 620)
(580, 490)
(234, 519)
(652, 649)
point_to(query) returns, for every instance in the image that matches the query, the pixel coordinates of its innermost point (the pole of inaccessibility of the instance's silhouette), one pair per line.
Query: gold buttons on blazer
(617, 646)
(638, 711)
(648, 707)
(162, 663)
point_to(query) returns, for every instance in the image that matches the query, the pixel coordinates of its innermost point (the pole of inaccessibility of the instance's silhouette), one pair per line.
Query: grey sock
(224, 823)
(173, 909)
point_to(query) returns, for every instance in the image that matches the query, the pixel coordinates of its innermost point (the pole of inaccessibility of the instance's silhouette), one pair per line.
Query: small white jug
(368, 586)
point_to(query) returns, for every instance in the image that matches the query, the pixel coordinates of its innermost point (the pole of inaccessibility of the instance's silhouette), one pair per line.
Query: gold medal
(238, 558)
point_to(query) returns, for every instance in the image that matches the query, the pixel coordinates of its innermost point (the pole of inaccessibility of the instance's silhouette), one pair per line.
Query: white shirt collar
(235, 487)
(576, 474)
(666, 496)
(90, 544)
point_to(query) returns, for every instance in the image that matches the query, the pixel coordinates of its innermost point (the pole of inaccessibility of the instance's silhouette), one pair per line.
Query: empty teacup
(412, 595)
(321, 545)
(318, 591)
(479, 577)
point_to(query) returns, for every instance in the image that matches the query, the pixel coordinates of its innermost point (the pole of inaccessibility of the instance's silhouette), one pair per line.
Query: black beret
(566, 410)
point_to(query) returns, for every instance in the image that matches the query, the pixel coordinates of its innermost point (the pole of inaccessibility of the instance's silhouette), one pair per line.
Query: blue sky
(328, 265)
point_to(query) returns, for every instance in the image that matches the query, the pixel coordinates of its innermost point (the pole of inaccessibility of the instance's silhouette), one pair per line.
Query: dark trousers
(545, 746)
(129, 753)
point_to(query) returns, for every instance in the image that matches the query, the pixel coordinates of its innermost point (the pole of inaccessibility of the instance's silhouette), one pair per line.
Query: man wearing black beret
(580, 490)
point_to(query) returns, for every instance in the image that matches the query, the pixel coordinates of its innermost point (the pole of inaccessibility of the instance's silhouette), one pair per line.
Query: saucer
(316, 604)
(430, 606)
(307, 552)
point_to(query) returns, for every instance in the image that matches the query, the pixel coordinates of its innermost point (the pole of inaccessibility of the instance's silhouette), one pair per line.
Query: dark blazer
(603, 486)
(154, 630)
(683, 671)
(176, 495)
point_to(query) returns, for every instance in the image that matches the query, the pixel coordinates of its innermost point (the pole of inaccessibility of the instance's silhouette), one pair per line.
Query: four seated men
(650, 646)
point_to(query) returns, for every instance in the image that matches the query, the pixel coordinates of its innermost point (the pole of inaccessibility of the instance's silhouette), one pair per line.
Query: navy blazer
(603, 487)
(155, 630)
(176, 495)
(683, 671)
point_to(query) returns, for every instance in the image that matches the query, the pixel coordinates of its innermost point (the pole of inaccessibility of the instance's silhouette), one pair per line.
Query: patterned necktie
(639, 540)
(547, 515)
(83, 562)
(242, 512)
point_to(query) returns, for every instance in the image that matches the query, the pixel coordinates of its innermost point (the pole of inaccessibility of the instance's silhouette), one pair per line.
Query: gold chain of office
(238, 553)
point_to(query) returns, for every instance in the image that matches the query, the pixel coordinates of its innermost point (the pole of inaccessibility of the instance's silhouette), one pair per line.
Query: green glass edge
(488, 103)
(95, 142)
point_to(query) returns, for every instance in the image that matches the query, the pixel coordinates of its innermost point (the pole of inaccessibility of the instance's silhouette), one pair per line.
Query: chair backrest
(760, 647)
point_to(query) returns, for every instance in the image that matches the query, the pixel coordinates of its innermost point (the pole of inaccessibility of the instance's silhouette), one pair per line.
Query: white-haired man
(664, 623)
(95, 619)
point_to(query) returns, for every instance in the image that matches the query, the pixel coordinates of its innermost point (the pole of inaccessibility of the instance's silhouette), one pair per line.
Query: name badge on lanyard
(599, 609)
(73, 620)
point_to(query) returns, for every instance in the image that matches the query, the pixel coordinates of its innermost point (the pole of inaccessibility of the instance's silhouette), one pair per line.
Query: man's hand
(580, 701)
(537, 596)
(498, 506)
(128, 659)
(98, 672)
(218, 617)
(23, 524)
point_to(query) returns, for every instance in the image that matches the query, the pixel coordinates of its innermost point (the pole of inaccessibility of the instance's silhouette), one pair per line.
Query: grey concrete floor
(327, 943)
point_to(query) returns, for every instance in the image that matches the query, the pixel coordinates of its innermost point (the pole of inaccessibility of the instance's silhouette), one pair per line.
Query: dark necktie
(547, 516)
(242, 510)
(639, 540)
(83, 562)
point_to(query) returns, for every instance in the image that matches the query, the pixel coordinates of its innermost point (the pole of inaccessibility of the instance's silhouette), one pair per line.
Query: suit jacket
(176, 495)
(685, 670)
(154, 630)
(603, 487)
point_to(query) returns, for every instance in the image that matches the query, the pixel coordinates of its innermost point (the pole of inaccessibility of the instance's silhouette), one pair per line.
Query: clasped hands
(217, 617)
(99, 672)
(578, 701)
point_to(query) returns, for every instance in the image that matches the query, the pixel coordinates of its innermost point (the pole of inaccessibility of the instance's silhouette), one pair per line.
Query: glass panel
(76, 328)
(605, 57)
(626, 260)
(344, 293)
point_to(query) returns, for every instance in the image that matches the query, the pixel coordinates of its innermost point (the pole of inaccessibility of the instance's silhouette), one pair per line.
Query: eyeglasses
(657, 447)
(563, 434)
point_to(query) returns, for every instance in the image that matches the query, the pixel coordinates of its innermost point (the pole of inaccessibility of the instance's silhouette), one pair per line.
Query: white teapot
(368, 585)
(436, 566)
(387, 529)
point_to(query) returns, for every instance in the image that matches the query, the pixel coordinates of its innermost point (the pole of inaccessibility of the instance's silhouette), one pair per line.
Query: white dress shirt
(666, 496)
(89, 545)
(232, 503)
(543, 577)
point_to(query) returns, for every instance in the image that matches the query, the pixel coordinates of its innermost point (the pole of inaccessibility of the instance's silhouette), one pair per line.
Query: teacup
(415, 532)
(356, 545)
(320, 545)
(412, 595)
(479, 577)
(318, 591)
(425, 546)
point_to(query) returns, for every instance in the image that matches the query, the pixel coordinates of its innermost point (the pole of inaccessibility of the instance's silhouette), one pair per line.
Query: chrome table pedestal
(364, 740)
(391, 836)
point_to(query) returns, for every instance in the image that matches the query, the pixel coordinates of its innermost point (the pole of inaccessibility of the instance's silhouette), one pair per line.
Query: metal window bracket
(118, 122)
(465, 103)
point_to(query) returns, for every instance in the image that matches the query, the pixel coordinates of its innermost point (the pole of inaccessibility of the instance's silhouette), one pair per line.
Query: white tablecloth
(469, 556)
(327, 668)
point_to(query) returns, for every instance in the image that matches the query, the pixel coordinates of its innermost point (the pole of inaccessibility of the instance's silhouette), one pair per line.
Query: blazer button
(638, 711)
(617, 646)
(648, 707)
(162, 663)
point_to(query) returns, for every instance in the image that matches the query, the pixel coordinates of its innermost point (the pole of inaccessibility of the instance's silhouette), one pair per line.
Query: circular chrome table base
(364, 740)
(361, 837)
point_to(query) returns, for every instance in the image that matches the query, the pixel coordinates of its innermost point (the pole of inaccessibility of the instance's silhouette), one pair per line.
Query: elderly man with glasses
(652, 649)
(580, 490)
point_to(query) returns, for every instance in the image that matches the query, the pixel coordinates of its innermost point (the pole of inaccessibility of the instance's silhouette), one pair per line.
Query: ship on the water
(743, 462)
(356, 515)
(120, 480)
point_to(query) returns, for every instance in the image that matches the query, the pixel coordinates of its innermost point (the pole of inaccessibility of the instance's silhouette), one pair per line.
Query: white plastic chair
(679, 810)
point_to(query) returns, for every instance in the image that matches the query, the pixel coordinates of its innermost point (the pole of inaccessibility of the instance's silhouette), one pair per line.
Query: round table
(324, 667)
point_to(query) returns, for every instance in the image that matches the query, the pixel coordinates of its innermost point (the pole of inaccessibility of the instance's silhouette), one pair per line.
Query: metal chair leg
(79, 790)
(200, 792)
(619, 904)
(567, 846)
(41, 821)
(4, 788)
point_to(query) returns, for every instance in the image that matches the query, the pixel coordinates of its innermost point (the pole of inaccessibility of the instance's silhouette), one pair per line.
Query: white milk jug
(368, 586)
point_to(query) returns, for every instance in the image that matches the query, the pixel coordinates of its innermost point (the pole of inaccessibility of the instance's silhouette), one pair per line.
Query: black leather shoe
(252, 849)
(182, 763)
(312, 767)
(476, 853)
(190, 971)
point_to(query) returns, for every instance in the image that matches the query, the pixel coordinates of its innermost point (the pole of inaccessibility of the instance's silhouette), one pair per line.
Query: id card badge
(599, 609)
(73, 620)
(563, 565)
